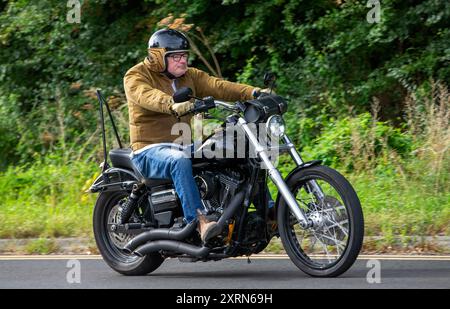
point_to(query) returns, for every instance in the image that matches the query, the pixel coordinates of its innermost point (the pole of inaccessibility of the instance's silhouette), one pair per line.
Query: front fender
(295, 171)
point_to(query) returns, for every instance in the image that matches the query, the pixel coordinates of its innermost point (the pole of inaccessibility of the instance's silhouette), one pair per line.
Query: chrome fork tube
(292, 151)
(313, 186)
(275, 175)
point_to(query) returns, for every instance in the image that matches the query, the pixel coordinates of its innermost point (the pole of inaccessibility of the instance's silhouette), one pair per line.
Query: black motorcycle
(138, 222)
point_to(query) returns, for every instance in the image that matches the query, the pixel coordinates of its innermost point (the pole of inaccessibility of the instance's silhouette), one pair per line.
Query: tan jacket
(149, 94)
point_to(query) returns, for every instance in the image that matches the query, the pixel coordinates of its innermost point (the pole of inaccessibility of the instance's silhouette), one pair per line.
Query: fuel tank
(227, 146)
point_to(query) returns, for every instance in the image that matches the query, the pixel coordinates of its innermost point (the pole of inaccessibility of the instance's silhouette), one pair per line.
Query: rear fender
(114, 179)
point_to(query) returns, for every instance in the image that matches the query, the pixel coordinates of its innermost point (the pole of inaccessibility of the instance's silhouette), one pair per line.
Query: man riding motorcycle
(149, 87)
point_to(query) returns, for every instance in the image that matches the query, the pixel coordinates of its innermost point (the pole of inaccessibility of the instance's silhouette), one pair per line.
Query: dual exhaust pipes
(172, 239)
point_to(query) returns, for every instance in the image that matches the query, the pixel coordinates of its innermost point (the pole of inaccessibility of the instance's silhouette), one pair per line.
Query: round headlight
(275, 126)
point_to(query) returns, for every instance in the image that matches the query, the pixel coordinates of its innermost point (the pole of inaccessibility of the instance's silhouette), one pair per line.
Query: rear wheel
(331, 246)
(111, 244)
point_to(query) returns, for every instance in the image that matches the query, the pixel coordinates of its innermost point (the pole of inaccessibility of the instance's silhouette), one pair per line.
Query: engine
(216, 189)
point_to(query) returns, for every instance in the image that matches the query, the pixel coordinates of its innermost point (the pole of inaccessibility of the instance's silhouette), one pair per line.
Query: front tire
(109, 244)
(337, 235)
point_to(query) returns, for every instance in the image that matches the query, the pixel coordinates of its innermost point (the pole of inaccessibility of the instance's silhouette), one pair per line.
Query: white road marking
(253, 257)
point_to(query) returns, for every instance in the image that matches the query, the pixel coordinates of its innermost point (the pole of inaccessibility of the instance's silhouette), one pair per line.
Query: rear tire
(301, 251)
(115, 257)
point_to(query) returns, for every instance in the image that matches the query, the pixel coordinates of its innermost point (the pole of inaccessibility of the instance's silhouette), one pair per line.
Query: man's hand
(268, 91)
(258, 91)
(181, 109)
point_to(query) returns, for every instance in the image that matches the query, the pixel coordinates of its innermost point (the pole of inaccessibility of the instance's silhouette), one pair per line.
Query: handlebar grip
(203, 105)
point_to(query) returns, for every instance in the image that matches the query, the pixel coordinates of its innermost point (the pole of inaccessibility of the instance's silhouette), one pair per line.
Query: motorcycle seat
(121, 158)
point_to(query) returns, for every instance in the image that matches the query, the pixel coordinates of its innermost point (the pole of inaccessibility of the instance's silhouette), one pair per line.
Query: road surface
(264, 272)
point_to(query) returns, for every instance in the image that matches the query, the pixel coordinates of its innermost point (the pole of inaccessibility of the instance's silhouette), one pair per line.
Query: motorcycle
(138, 222)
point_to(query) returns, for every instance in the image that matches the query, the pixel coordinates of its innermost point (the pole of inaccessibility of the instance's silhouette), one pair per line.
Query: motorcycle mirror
(183, 94)
(269, 78)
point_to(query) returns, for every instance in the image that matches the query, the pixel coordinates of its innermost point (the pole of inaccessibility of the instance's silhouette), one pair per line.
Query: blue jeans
(168, 162)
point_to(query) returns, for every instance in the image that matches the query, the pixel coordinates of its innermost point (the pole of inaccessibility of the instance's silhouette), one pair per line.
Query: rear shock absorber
(127, 208)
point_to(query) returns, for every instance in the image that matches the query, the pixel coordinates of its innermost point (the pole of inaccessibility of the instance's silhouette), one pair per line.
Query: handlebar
(209, 103)
(226, 105)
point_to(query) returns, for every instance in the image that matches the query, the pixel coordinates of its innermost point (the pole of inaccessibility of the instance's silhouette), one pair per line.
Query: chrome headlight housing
(275, 126)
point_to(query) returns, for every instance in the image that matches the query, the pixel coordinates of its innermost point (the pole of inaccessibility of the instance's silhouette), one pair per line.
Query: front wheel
(111, 244)
(332, 244)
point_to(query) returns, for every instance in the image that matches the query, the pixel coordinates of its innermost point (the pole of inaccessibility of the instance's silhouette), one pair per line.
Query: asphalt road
(262, 273)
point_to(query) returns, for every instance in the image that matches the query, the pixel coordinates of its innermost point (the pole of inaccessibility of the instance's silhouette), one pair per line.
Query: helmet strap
(169, 75)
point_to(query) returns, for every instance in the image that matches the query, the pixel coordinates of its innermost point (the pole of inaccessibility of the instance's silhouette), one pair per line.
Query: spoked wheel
(332, 244)
(111, 244)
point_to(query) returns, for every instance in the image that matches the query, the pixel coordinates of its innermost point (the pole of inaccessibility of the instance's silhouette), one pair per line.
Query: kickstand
(248, 260)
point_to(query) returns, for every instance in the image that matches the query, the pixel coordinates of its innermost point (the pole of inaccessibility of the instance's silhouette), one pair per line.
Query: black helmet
(170, 39)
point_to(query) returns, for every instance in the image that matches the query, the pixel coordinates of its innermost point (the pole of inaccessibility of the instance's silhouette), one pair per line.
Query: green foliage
(46, 200)
(41, 246)
(395, 205)
(352, 139)
(331, 64)
(47, 65)
(326, 55)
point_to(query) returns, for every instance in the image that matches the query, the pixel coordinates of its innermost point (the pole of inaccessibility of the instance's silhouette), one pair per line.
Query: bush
(359, 143)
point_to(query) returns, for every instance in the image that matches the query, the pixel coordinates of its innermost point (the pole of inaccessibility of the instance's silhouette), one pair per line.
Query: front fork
(311, 186)
(276, 177)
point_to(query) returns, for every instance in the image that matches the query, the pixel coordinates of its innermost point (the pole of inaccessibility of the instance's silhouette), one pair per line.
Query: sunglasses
(177, 57)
